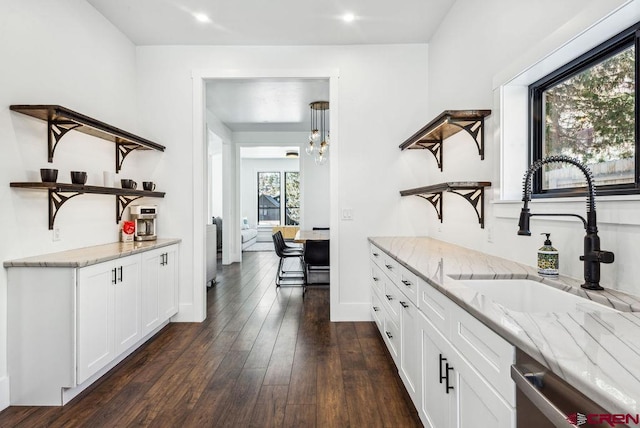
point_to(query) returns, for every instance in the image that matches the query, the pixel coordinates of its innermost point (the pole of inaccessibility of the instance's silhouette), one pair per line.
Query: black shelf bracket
(122, 202)
(56, 129)
(122, 151)
(56, 200)
(435, 147)
(475, 129)
(471, 191)
(475, 197)
(436, 200)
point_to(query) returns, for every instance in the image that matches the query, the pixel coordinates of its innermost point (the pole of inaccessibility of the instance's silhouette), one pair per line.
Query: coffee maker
(144, 217)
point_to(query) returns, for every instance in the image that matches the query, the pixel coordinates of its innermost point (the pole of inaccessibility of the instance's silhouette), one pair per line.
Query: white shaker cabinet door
(477, 403)
(410, 351)
(95, 318)
(435, 402)
(168, 287)
(128, 328)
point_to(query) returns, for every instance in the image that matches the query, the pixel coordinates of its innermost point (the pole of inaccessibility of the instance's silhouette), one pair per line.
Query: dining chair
(293, 277)
(316, 260)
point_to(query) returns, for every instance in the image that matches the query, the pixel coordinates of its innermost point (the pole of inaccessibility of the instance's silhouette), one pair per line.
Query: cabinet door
(410, 350)
(435, 403)
(95, 317)
(150, 290)
(477, 404)
(168, 285)
(128, 329)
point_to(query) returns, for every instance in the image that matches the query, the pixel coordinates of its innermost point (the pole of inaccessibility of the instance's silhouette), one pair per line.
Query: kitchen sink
(525, 295)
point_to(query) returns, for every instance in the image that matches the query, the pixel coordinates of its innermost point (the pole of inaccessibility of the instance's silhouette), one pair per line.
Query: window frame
(286, 198)
(258, 196)
(618, 43)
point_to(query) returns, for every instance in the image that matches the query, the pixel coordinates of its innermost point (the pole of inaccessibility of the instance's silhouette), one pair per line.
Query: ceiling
(276, 22)
(275, 104)
(265, 105)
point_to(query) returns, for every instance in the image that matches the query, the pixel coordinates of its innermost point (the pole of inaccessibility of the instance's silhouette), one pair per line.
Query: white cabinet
(455, 369)
(159, 291)
(454, 394)
(108, 307)
(69, 325)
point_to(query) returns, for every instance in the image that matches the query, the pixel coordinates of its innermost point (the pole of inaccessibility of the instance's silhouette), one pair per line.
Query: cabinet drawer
(435, 306)
(376, 255)
(487, 352)
(386, 263)
(377, 279)
(391, 337)
(408, 284)
(377, 311)
(391, 301)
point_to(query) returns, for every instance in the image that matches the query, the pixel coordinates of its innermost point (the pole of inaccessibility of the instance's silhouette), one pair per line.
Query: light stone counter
(82, 257)
(596, 352)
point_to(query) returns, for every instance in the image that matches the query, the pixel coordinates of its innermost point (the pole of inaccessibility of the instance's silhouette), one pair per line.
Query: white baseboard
(5, 398)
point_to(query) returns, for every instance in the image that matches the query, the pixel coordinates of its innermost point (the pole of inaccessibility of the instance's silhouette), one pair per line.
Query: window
(588, 110)
(292, 198)
(268, 198)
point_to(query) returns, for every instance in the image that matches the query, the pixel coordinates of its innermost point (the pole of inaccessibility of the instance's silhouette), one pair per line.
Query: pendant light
(319, 136)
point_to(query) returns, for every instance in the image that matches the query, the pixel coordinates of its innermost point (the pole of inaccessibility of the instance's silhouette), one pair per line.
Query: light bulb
(315, 135)
(328, 139)
(310, 148)
(321, 158)
(324, 147)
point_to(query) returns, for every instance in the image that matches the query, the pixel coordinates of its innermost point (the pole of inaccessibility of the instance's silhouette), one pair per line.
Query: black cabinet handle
(163, 261)
(376, 279)
(440, 365)
(114, 279)
(449, 388)
(389, 267)
(375, 254)
(389, 335)
(166, 258)
(120, 269)
(376, 309)
(407, 283)
(404, 304)
(389, 297)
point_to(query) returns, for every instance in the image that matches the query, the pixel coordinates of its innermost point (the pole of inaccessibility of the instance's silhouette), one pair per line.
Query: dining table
(303, 236)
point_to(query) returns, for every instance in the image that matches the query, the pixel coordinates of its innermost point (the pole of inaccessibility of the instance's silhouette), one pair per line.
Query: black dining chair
(316, 260)
(294, 277)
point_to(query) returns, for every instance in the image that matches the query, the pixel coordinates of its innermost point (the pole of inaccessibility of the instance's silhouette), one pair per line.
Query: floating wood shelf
(472, 191)
(61, 120)
(59, 193)
(449, 123)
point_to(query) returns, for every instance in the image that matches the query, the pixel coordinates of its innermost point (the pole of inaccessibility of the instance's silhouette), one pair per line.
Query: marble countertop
(81, 257)
(596, 352)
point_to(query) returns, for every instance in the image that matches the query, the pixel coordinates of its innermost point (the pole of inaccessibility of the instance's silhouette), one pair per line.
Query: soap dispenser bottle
(548, 259)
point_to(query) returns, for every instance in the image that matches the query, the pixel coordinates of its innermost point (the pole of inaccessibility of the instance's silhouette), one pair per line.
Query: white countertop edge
(87, 256)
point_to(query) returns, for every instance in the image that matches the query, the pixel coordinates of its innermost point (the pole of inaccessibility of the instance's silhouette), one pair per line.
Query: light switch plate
(347, 214)
(55, 234)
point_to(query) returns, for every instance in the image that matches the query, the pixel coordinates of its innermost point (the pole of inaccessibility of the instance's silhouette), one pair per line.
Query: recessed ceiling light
(348, 17)
(201, 17)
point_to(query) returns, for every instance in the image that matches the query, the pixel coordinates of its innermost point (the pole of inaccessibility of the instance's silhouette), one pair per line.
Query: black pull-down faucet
(593, 256)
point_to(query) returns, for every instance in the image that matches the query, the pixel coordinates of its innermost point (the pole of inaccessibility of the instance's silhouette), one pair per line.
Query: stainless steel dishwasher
(544, 400)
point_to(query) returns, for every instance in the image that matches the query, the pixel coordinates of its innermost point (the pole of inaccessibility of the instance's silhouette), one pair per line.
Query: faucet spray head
(523, 223)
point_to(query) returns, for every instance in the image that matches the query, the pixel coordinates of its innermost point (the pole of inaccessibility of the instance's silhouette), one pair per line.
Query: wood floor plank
(263, 357)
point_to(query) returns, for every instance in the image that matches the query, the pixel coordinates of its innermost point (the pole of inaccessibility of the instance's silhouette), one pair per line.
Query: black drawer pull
(120, 269)
(389, 297)
(449, 388)
(404, 304)
(375, 254)
(389, 267)
(376, 309)
(440, 365)
(376, 279)
(407, 283)
(389, 335)
(114, 279)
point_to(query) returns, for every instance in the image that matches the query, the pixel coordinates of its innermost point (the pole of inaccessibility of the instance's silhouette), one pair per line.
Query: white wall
(249, 182)
(65, 53)
(508, 37)
(381, 101)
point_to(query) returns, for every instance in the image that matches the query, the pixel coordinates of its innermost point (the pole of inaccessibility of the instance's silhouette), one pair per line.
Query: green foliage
(591, 115)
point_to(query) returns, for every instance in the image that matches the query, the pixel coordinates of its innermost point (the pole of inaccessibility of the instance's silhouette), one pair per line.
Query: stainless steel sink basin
(525, 295)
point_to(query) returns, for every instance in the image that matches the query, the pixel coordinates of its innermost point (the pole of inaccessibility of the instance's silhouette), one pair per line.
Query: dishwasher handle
(542, 403)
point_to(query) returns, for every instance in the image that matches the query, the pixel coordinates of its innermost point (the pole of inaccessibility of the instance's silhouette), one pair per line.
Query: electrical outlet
(55, 234)
(490, 234)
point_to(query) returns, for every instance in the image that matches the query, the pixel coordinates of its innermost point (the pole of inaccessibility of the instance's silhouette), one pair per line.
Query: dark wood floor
(262, 358)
